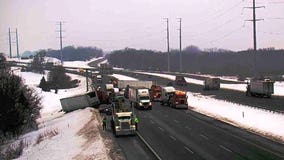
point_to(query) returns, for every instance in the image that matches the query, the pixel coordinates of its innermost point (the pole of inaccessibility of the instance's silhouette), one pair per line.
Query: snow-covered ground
(62, 136)
(258, 120)
(104, 61)
(80, 64)
(123, 77)
(278, 86)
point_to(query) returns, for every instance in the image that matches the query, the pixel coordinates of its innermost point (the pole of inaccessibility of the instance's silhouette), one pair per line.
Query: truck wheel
(150, 108)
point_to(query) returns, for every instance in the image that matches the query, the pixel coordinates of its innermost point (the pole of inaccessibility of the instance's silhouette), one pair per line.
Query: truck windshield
(144, 98)
(124, 118)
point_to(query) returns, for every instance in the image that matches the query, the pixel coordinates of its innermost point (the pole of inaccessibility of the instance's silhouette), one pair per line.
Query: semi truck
(166, 92)
(178, 99)
(155, 93)
(80, 101)
(260, 88)
(211, 83)
(122, 120)
(180, 81)
(139, 97)
(122, 84)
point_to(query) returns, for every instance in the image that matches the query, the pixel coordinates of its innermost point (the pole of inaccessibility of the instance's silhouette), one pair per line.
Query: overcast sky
(116, 24)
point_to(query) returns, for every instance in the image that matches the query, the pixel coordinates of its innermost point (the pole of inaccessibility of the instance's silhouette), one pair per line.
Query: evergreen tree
(20, 106)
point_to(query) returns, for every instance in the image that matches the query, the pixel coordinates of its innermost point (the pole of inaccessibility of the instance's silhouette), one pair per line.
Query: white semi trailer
(124, 83)
(140, 97)
(260, 88)
(79, 101)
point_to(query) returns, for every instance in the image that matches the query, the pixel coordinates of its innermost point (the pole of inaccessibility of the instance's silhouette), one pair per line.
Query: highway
(275, 103)
(184, 134)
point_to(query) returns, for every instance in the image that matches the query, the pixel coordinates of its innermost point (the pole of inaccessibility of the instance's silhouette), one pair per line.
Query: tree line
(211, 61)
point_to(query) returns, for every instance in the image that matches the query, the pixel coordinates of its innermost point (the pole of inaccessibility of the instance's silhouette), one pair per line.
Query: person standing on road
(104, 123)
(136, 122)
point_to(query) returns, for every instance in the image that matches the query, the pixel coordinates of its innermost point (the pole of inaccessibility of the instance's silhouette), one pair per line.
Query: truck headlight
(150, 103)
(117, 127)
(140, 104)
(132, 126)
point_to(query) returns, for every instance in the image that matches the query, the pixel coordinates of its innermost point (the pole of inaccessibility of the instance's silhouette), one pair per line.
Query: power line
(218, 15)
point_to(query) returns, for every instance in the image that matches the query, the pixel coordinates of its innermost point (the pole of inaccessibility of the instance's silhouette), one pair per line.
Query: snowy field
(258, 120)
(62, 136)
(278, 86)
(80, 64)
(123, 77)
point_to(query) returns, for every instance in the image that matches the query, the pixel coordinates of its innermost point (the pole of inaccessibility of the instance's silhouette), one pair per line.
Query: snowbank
(80, 64)
(62, 136)
(259, 120)
(123, 77)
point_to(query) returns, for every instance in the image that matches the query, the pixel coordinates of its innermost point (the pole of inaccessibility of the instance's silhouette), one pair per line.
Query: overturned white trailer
(79, 101)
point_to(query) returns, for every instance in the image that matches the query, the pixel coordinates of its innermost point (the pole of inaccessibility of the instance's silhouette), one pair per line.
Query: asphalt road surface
(184, 134)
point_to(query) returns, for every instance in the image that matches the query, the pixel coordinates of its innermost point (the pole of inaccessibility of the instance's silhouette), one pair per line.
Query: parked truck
(260, 88)
(155, 93)
(80, 101)
(106, 68)
(122, 120)
(139, 97)
(178, 99)
(180, 81)
(124, 83)
(166, 92)
(211, 83)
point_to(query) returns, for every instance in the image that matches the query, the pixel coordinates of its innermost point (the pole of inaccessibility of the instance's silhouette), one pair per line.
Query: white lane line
(225, 148)
(205, 137)
(188, 150)
(187, 127)
(173, 138)
(161, 129)
(176, 121)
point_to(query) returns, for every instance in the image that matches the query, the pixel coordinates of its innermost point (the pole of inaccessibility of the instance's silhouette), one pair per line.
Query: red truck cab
(178, 100)
(155, 93)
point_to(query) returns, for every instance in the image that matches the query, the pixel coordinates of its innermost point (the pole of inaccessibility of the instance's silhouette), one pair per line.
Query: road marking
(173, 138)
(205, 137)
(225, 148)
(176, 121)
(161, 129)
(152, 121)
(188, 150)
(187, 128)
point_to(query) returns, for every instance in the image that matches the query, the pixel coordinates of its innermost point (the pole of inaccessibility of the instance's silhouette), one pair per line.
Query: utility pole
(17, 42)
(10, 46)
(254, 20)
(168, 43)
(60, 41)
(180, 56)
